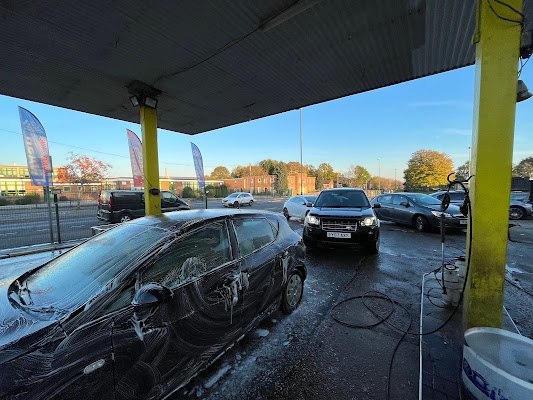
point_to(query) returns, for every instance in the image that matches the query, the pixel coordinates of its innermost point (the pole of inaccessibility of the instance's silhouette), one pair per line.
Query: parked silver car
(238, 199)
(298, 206)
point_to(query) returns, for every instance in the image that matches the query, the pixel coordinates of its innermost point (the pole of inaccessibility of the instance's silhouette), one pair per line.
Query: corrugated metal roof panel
(213, 63)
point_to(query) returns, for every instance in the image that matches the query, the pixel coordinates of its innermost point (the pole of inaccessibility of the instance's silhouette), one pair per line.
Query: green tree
(360, 175)
(524, 168)
(220, 172)
(282, 183)
(427, 168)
(324, 174)
(187, 192)
(461, 173)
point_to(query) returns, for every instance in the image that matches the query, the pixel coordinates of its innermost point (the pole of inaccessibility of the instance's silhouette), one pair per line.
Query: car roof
(342, 189)
(175, 219)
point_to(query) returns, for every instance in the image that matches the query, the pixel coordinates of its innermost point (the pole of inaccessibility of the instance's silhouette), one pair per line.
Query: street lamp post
(301, 156)
(379, 174)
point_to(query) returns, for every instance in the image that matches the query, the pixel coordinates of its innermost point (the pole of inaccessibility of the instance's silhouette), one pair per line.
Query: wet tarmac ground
(307, 355)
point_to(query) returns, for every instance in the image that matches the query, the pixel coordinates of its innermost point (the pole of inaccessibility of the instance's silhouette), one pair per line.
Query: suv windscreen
(342, 199)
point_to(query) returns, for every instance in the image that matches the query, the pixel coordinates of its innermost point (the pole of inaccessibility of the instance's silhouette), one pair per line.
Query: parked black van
(125, 205)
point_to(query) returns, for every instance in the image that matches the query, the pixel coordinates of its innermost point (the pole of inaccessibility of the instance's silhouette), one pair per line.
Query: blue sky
(432, 113)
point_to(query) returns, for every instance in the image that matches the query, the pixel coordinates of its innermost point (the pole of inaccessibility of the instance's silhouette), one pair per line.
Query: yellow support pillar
(497, 51)
(152, 203)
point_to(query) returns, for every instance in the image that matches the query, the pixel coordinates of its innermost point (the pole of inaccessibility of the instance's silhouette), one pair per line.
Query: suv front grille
(339, 225)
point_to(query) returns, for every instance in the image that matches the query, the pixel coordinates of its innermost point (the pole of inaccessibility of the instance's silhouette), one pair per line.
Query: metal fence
(30, 219)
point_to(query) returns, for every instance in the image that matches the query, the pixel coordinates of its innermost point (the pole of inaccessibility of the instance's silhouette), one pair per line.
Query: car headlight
(438, 214)
(368, 221)
(312, 220)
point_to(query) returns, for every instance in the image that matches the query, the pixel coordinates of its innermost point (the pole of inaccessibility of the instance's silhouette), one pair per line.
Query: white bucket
(497, 364)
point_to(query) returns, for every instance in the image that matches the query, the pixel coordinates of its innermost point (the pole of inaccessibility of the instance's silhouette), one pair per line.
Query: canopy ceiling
(221, 62)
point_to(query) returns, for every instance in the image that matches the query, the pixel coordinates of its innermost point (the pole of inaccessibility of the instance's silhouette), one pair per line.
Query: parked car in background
(125, 205)
(238, 199)
(342, 217)
(138, 310)
(519, 207)
(418, 210)
(298, 206)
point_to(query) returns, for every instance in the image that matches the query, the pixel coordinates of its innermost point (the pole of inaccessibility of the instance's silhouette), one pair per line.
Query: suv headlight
(438, 214)
(368, 221)
(312, 220)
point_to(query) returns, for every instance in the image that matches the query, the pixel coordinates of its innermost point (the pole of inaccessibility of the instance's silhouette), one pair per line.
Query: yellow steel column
(150, 159)
(497, 51)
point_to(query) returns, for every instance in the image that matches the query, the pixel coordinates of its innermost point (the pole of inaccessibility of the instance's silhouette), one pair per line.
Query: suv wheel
(516, 213)
(373, 248)
(125, 218)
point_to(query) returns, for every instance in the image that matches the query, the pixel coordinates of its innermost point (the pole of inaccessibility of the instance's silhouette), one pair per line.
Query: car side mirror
(376, 205)
(151, 294)
(404, 203)
(308, 204)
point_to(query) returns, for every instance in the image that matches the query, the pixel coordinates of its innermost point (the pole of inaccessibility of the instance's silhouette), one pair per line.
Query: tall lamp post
(301, 157)
(379, 174)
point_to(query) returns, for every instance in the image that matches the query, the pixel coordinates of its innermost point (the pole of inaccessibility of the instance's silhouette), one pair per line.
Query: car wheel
(250, 203)
(516, 213)
(292, 293)
(421, 223)
(373, 248)
(236, 204)
(286, 214)
(309, 245)
(125, 218)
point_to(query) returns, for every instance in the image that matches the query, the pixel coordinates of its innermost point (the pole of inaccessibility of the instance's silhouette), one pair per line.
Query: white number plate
(462, 222)
(341, 235)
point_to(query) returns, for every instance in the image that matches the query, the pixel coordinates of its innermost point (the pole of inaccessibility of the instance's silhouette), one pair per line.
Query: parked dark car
(138, 310)
(125, 205)
(342, 218)
(519, 206)
(418, 210)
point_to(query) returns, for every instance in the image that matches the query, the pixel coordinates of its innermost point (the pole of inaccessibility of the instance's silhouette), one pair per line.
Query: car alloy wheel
(236, 204)
(292, 295)
(250, 203)
(516, 213)
(286, 214)
(421, 223)
(125, 218)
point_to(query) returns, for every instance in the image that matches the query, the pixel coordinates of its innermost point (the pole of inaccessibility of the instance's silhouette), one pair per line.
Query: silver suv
(238, 199)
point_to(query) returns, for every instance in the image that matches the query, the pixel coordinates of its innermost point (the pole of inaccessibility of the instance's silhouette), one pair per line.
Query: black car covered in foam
(342, 218)
(137, 311)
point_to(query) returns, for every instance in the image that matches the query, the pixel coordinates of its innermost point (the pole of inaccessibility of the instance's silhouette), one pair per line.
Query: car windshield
(233, 195)
(310, 199)
(69, 281)
(424, 199)
(342, 199)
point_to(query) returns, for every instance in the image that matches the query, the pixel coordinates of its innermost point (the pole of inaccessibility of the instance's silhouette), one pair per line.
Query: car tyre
(236, 204)
(309, 245)
(292, 292)
(421, 223)
(373, 248)
(125, 217)
(251, 203)
(286, 214)
(516, 213)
